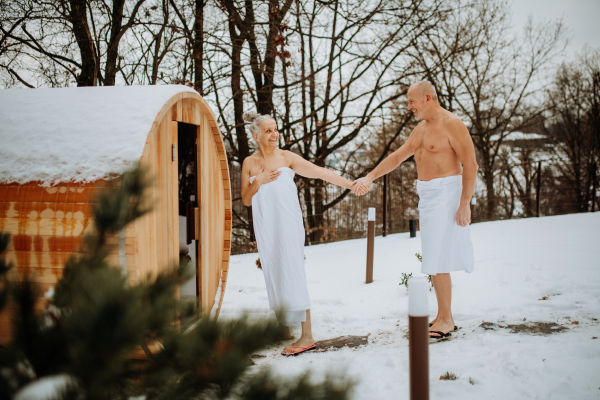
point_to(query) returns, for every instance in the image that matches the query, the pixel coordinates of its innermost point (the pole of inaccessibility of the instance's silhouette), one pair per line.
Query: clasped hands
(361, 186)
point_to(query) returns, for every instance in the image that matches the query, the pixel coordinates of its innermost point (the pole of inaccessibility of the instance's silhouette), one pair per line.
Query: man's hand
(361, 186)
(463, 215)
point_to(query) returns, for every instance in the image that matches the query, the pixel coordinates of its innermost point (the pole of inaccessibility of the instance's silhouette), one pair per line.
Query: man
(447, 170)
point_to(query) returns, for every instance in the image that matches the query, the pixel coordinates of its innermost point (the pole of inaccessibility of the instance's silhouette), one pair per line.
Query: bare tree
(79, 38)
(328, 72)
(573, 127)
(522, 177)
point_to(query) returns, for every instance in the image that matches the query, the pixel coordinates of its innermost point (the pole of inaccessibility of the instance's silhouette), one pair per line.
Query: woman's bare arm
(250, 189)
(310, 170)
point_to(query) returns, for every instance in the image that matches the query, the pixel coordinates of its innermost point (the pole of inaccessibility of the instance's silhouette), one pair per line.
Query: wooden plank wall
(158, 232)
(212, 211)
(47, 225)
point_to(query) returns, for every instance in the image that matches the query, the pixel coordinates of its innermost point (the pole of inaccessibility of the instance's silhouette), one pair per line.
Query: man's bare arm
(462, 143)
(362, 185)
(392, 161)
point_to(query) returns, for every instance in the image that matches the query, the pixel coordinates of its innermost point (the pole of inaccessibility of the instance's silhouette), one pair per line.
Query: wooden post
(418, 339)
(385, 188)
(538, 189)
(370, 243)
(412, 225)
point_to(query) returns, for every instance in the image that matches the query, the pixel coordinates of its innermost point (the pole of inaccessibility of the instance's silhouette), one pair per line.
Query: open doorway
(188, 195)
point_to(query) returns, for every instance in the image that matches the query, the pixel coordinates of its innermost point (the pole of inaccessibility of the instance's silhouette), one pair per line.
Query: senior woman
(268, 186)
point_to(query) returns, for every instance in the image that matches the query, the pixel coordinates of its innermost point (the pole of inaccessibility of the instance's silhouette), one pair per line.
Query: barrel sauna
(61, 146)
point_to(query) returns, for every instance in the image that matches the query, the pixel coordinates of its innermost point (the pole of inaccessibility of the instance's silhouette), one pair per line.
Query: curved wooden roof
(78, 134)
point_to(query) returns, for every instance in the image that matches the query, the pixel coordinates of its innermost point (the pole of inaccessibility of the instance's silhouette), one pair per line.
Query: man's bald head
(423, 88)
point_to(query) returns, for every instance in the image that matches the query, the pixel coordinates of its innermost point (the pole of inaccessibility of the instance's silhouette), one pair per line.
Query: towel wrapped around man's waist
(446, 246)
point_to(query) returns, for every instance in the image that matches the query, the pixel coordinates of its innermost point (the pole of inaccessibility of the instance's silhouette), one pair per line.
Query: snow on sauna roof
(76, 134)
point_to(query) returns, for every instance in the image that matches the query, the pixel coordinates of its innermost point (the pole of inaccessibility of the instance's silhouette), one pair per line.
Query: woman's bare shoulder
(250, 162)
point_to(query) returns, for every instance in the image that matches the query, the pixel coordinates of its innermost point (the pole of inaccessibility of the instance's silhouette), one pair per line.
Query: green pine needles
(86, 337)
(405, 277)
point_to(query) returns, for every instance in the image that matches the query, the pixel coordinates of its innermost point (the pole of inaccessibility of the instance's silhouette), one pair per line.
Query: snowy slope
(518, 262)
(76, 134)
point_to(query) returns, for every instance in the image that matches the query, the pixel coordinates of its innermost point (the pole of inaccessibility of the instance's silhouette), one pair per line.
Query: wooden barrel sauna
(60, 146)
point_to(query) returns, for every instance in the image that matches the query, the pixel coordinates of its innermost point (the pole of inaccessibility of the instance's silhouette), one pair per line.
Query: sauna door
(188, 198)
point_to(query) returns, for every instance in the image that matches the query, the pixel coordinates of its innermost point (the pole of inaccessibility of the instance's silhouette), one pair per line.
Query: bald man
(447, 170)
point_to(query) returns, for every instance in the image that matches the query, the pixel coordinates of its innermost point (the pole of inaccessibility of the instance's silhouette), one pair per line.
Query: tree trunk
(318, 228)
(89, 63)
(309, 208)
(199, 47)
(264, 72)
(488, 178)
(112, 53)
(243, 147)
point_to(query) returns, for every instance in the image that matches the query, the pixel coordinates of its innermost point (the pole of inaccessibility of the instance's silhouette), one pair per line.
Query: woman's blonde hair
(254, 119)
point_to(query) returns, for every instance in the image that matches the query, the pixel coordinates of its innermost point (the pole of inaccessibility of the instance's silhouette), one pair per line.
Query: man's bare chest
(431, 139)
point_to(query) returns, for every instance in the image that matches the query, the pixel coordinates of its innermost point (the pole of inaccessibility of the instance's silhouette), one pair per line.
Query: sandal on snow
(455, 327)
(295, 350)
(443, 336)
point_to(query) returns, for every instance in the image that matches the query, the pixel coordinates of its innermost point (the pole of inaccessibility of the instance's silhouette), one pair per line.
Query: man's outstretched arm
(362, 185)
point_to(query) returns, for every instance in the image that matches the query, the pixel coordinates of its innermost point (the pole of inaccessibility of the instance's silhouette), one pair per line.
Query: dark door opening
(187, 169)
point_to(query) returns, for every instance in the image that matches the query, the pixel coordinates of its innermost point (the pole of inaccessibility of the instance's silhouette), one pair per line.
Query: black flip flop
(443, 336)
(455, 327)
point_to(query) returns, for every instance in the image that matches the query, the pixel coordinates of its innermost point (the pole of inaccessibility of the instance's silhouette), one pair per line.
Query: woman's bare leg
(287, 334)
(307, 338)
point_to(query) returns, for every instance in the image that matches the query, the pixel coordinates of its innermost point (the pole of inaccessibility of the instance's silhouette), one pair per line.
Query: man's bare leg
(444, 322)
(307, 338)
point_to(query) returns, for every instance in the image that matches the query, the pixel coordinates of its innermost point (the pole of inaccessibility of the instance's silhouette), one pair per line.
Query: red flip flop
(295, 350)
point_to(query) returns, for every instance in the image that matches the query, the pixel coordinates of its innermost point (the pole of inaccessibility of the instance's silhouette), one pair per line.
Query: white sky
(580, 18)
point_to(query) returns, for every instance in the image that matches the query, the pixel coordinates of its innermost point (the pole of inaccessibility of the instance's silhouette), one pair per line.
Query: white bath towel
(279, 230)
(446, 246)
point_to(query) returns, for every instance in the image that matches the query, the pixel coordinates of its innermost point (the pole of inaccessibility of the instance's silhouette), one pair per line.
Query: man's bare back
(433, 151)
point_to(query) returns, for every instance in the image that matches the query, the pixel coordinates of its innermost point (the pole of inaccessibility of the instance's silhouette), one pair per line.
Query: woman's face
(269, 135)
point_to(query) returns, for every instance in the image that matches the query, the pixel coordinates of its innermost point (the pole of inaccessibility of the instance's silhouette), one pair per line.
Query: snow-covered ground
(517, 263)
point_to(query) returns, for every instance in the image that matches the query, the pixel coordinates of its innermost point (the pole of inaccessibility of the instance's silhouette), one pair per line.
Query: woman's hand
(361, 186)
(266, 176)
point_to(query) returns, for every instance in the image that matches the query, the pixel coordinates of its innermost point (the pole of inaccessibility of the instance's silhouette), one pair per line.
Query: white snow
(513, 136)
(47, 388)
(517, 262)
(76, 134)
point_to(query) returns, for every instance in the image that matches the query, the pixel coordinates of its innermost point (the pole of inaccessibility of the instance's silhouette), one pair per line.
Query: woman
(268, 186)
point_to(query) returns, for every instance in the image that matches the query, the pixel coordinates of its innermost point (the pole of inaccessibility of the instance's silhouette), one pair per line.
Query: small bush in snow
(448, 376)
(405, 277)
